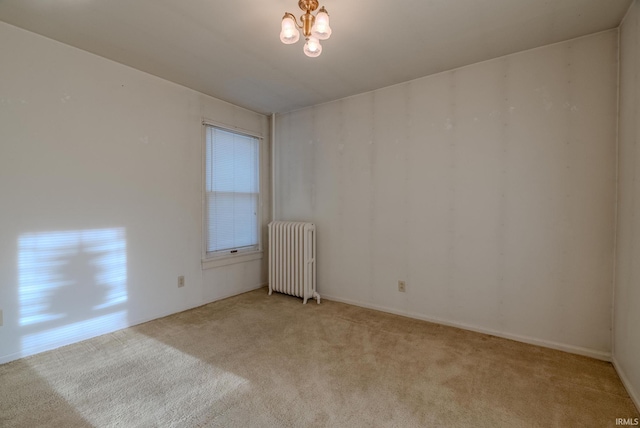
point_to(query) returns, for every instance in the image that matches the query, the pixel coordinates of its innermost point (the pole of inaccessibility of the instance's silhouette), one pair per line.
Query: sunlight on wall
(72, 286)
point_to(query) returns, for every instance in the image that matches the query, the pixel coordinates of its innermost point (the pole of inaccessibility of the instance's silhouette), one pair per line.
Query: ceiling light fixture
(314, 28)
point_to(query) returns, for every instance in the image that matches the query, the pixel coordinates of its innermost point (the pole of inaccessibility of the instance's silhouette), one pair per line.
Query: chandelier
(314, 28)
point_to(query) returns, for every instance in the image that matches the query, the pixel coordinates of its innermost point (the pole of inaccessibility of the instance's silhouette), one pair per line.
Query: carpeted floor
(268, 361)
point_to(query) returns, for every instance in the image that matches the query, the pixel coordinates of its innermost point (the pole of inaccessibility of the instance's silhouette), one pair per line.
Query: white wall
(626, 350)
(100, 195)
(490, 189)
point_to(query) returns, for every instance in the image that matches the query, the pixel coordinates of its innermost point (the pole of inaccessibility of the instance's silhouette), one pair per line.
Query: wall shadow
(42, 406)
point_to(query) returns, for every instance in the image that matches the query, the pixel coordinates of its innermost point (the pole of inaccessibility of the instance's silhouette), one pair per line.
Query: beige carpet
(268, 361)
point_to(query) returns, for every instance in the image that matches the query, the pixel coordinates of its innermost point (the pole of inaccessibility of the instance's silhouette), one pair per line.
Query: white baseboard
(17, 355)
(188, 308)
(11, 357)
(627, 384)
(235, 293)
(599, 355)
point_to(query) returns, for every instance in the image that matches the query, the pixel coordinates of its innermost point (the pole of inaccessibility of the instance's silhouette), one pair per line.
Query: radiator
(292, 259)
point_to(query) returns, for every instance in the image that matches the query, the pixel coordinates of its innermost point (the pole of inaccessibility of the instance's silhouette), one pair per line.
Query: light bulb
(289, 33)
(312, 48)
(321, 29)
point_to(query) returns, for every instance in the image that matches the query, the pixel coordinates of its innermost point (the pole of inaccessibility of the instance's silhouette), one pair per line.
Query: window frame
(226, 257)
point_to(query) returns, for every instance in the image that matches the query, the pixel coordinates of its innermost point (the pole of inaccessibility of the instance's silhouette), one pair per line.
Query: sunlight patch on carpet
(152, 380)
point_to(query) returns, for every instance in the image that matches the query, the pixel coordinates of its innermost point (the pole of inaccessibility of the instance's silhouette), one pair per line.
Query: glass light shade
(312, 48)
(289, 33)
(321, 29)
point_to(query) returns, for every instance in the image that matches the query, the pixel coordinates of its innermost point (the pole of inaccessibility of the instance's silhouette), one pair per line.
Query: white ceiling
(231, 49)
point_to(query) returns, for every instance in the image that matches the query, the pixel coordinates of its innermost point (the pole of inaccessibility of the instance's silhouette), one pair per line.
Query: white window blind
(232, 190)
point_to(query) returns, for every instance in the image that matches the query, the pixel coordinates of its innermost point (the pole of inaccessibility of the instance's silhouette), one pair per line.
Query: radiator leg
(304, 301)
(316, 296)
(270, 290)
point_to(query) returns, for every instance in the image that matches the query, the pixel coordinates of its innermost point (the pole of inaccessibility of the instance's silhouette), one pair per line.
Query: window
(232, 191)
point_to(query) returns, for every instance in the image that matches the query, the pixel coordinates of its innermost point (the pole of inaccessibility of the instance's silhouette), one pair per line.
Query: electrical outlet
(180, 281)
(402, 287)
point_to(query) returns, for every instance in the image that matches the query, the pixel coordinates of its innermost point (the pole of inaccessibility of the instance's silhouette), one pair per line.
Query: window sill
(231, 259)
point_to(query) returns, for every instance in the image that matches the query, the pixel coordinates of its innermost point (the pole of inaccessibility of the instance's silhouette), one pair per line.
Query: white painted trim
(224, 126)
(616, 202)
(203, 190)
(231, 259)
(236, 293)
(599, 355)
(273, 166)
(11, 357)
(635, 397)
(17, 355)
